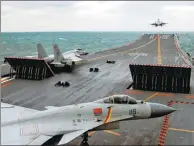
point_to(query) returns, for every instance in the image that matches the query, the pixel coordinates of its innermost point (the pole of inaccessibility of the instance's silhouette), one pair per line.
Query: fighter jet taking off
(158, 23)
(23, 126)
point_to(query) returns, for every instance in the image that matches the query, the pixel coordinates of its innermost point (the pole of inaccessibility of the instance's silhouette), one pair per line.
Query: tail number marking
(132, 112)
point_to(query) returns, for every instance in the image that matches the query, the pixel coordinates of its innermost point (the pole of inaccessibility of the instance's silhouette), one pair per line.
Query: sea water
(24, 43)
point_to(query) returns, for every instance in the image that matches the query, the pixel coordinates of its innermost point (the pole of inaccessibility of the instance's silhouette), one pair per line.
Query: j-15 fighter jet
(23, 126)
(158, 23)
(61, 60)
(72, 54)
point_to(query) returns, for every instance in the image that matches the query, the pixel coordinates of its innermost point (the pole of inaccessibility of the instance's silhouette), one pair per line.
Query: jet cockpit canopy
(80, 51)
(118, 99)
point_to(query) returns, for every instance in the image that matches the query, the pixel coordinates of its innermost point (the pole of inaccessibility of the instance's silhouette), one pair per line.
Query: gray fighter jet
(61, 60)
(158, 23)
(74, 54)
(22, 126)
(57, 56)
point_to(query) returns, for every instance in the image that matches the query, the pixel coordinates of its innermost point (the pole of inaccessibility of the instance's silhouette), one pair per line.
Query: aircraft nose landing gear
(85, 139)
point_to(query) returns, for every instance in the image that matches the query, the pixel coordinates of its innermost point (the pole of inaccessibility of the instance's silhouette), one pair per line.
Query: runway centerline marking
(181, 130)
(126, 51)
(7, 84)
(150, 96)
(159, 51)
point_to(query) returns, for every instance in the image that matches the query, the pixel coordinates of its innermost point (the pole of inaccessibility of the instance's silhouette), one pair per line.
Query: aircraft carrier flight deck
(148, 50)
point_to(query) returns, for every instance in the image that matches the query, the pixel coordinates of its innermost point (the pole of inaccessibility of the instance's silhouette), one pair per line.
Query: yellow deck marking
(165, 94)
(3, 79)
(112, 132)
(126, 51)
(118, 134)
(189, 96)
(181, 130)
(90, 133)
(150, 96)
(108, 131)
(159, 51)
(5, 85)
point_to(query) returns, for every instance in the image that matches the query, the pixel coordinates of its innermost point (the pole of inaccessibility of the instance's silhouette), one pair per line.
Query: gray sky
(95, 16)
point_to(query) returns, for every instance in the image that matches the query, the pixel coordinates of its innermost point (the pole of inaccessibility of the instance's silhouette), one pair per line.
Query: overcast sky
(95, 16)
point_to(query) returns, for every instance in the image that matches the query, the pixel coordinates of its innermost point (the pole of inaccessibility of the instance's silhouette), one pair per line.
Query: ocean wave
(4, 42)
(92, 42)
(63, 39)
(34, 53)
(8, 49)
(21, 38)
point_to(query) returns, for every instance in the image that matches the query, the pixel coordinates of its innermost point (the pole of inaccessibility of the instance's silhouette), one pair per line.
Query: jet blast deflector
(29, 68)
(162, 78)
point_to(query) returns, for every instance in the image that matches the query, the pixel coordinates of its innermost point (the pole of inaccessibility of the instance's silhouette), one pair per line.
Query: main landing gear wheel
(85, 139)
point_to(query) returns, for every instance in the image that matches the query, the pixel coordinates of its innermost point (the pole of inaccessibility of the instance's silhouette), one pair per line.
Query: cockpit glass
(109, 100)
(120, 99)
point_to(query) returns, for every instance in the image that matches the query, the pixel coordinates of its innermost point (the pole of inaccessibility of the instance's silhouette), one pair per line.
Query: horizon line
(95, 31)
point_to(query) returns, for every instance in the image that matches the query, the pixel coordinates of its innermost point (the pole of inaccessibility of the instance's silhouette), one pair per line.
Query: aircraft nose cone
(159, 110)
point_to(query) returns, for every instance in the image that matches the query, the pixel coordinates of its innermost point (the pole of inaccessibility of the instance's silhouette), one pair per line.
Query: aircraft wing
(153, 24)
(73, 56)
(69, 56)
(163, 23)
(11, 112)
(13, 133)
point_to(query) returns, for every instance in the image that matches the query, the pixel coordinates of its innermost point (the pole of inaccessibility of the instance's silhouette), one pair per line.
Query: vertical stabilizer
(41, 51)
(58, 57)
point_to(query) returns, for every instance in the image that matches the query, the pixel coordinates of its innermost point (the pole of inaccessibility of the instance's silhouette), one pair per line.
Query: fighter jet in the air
(23, 126)
(158, 23)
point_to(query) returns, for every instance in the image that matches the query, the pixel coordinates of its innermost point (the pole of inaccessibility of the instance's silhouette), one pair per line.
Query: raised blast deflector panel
(162, 78)
(29, 68)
